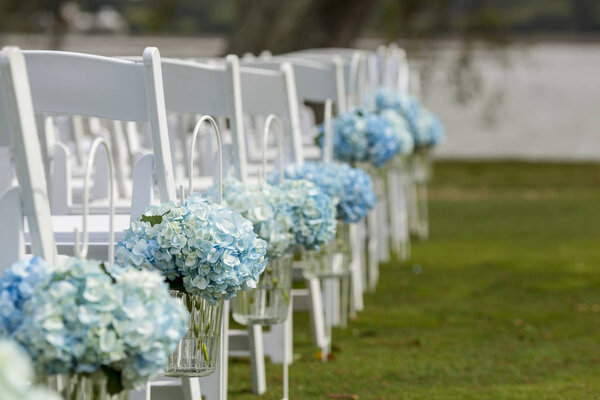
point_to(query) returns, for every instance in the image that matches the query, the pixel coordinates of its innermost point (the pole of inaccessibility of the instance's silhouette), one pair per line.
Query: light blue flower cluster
(350, 188)
(360, 135)
(405, 104)
(150, 323)
(430, 131)
(17, 285)
(263, 206)
(426, 129)
(80, 319)
(67, 324)
(406, 142)
(313, 213)
(200, 247)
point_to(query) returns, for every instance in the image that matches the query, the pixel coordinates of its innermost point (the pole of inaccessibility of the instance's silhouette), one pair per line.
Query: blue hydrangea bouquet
(206, 252)
(351, 190)
(268, 302)
(287, 216)
(426, 129)
(99, 331)
(200, 248)
(362, 136)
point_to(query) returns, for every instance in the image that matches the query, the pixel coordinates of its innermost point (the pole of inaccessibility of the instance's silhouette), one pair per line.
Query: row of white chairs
(54, 103)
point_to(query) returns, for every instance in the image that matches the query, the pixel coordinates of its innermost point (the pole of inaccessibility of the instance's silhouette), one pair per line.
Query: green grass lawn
(506, 306)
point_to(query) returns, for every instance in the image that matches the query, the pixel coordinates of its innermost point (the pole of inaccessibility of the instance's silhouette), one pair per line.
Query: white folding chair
(30, 199)
(267, 92)
(120, 90)
(321, 82)
(194, 88)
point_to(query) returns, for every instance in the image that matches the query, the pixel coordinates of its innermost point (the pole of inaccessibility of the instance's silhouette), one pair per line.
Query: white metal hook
(327, 134)
(353, 78)
(215, 127)
(81, 252)
(271, 118)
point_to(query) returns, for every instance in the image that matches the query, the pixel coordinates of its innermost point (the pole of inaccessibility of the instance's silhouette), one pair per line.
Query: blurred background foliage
(288, 25)
(283, 25)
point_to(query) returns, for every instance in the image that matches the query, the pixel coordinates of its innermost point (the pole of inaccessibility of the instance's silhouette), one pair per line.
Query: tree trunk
(288, 25)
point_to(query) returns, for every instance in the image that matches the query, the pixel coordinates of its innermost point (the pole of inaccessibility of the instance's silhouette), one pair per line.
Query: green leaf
(105, 270)
(113, 380)
(205, 352)
(177, 285)
(153, 219)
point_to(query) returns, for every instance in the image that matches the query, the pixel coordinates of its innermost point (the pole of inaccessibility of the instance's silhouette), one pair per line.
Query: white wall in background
(548, 108)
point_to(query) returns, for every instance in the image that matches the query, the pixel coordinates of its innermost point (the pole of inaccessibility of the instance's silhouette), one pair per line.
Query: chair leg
(393, 207)
(356, 297)
(336, 306)
(257, 359)
(317, 316)
(224, 356)
(423, 212)
(372, 246)
(403, 216)
(215, 385)
(191, 389)
(344, 301)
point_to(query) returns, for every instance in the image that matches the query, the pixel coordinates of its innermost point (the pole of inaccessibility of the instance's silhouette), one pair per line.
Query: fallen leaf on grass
(342, 396)
(319, 356)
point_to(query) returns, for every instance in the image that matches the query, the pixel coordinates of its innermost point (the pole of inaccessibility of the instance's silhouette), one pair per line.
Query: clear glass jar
(197, 353)
(83, 387)
(421, 166)
(269, 302)
(333, 261)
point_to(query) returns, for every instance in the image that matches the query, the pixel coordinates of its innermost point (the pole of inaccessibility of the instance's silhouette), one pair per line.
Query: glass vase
(333, 261)
(83, 387)
(197, 353)
(421, 166)
(268, 303)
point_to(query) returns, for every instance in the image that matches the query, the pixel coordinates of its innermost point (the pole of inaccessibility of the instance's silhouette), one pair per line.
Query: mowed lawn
(503, 301)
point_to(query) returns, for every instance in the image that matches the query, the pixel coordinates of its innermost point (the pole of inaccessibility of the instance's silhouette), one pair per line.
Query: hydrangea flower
(405, 104)
(426, 129)
(17, 285)
(272, 218)
(150, 323)
(360, 135)
(67, 324)
(430, 131)
(16, 375)
(406, 143)
(313, 213)
(203, 248)
(81, 319)
(383, 139)
(350, 142)
(350, 188)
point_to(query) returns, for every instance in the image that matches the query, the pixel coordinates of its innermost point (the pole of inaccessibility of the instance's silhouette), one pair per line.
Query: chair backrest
(103, 87)
(357, 75)
(316, 81)
(210, 89)
(267, 92)
(394, 68)
(20, 130)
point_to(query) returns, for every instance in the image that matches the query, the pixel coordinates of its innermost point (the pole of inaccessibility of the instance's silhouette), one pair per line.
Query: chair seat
(64, 226)
(122, 206)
